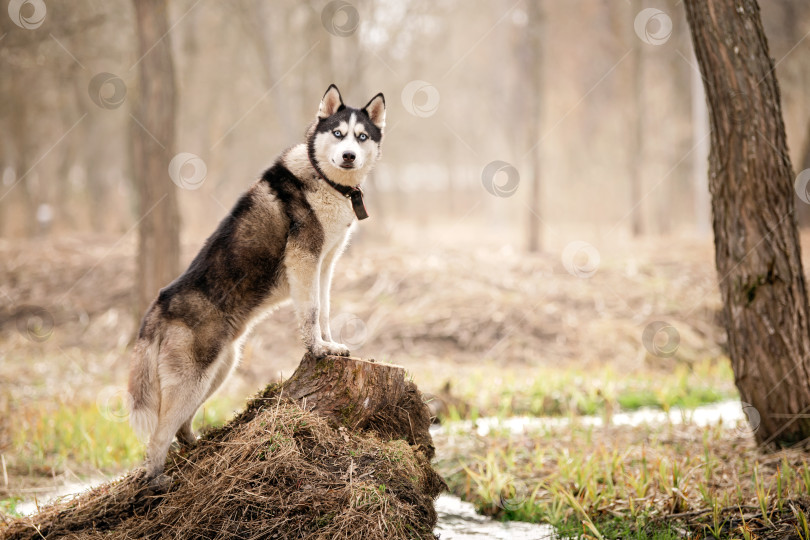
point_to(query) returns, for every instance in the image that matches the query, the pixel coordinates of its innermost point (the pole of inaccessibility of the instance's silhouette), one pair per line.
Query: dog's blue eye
(337, 133)
(363, 137)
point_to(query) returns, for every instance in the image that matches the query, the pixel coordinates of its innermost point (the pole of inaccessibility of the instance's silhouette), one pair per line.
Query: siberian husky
(280, 241)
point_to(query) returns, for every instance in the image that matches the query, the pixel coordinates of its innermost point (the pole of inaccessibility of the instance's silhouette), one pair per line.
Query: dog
(280, 241)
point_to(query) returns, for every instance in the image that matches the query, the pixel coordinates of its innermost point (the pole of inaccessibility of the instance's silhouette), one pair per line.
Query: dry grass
(275, 471)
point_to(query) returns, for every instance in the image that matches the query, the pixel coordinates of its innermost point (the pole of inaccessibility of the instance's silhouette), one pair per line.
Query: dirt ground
(433, 312)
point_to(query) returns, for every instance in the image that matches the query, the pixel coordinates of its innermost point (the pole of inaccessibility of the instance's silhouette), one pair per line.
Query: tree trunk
(535, 28)
(24, 218)
(756, 240)
(636, 140)
(153, 143)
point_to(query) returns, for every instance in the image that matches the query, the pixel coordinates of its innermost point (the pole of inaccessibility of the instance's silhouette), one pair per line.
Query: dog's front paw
(329, 348)
(339, 349)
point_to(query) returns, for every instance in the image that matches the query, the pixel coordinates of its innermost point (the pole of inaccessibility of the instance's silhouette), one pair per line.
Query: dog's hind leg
(183, 385)
(178, 403)
(185, 435)
(222, 368)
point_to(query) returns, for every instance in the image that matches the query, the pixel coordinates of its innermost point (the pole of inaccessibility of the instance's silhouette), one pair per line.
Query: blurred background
(540, 213)
(612, 127)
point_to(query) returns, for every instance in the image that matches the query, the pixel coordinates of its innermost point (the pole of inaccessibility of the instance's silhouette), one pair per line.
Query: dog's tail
(144, 388)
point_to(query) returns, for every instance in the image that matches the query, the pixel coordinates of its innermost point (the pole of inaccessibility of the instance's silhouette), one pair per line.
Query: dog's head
(344, 142)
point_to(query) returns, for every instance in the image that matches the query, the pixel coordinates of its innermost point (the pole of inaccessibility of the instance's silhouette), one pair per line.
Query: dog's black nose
(348, 157)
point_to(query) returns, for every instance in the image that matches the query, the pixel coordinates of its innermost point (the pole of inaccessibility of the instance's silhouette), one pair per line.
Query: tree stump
(362, 395)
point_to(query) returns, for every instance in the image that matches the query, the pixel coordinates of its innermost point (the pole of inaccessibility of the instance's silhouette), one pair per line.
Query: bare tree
(636, 134)
(153, 140)
(756, 240)
(535, 39)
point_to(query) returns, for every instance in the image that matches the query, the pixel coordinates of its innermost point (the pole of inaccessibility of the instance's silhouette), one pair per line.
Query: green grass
(86, 437)
(545, 391)
(78, 435)
(9, 506)
(626, 482)
(617, 528)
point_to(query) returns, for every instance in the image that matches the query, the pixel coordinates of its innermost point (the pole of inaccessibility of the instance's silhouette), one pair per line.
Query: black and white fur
(280, 242)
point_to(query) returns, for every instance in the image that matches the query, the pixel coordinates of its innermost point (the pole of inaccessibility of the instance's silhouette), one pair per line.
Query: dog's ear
(376, 110)
(331, 102)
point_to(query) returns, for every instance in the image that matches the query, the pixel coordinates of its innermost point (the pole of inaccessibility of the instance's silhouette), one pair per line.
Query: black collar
(350, 192)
